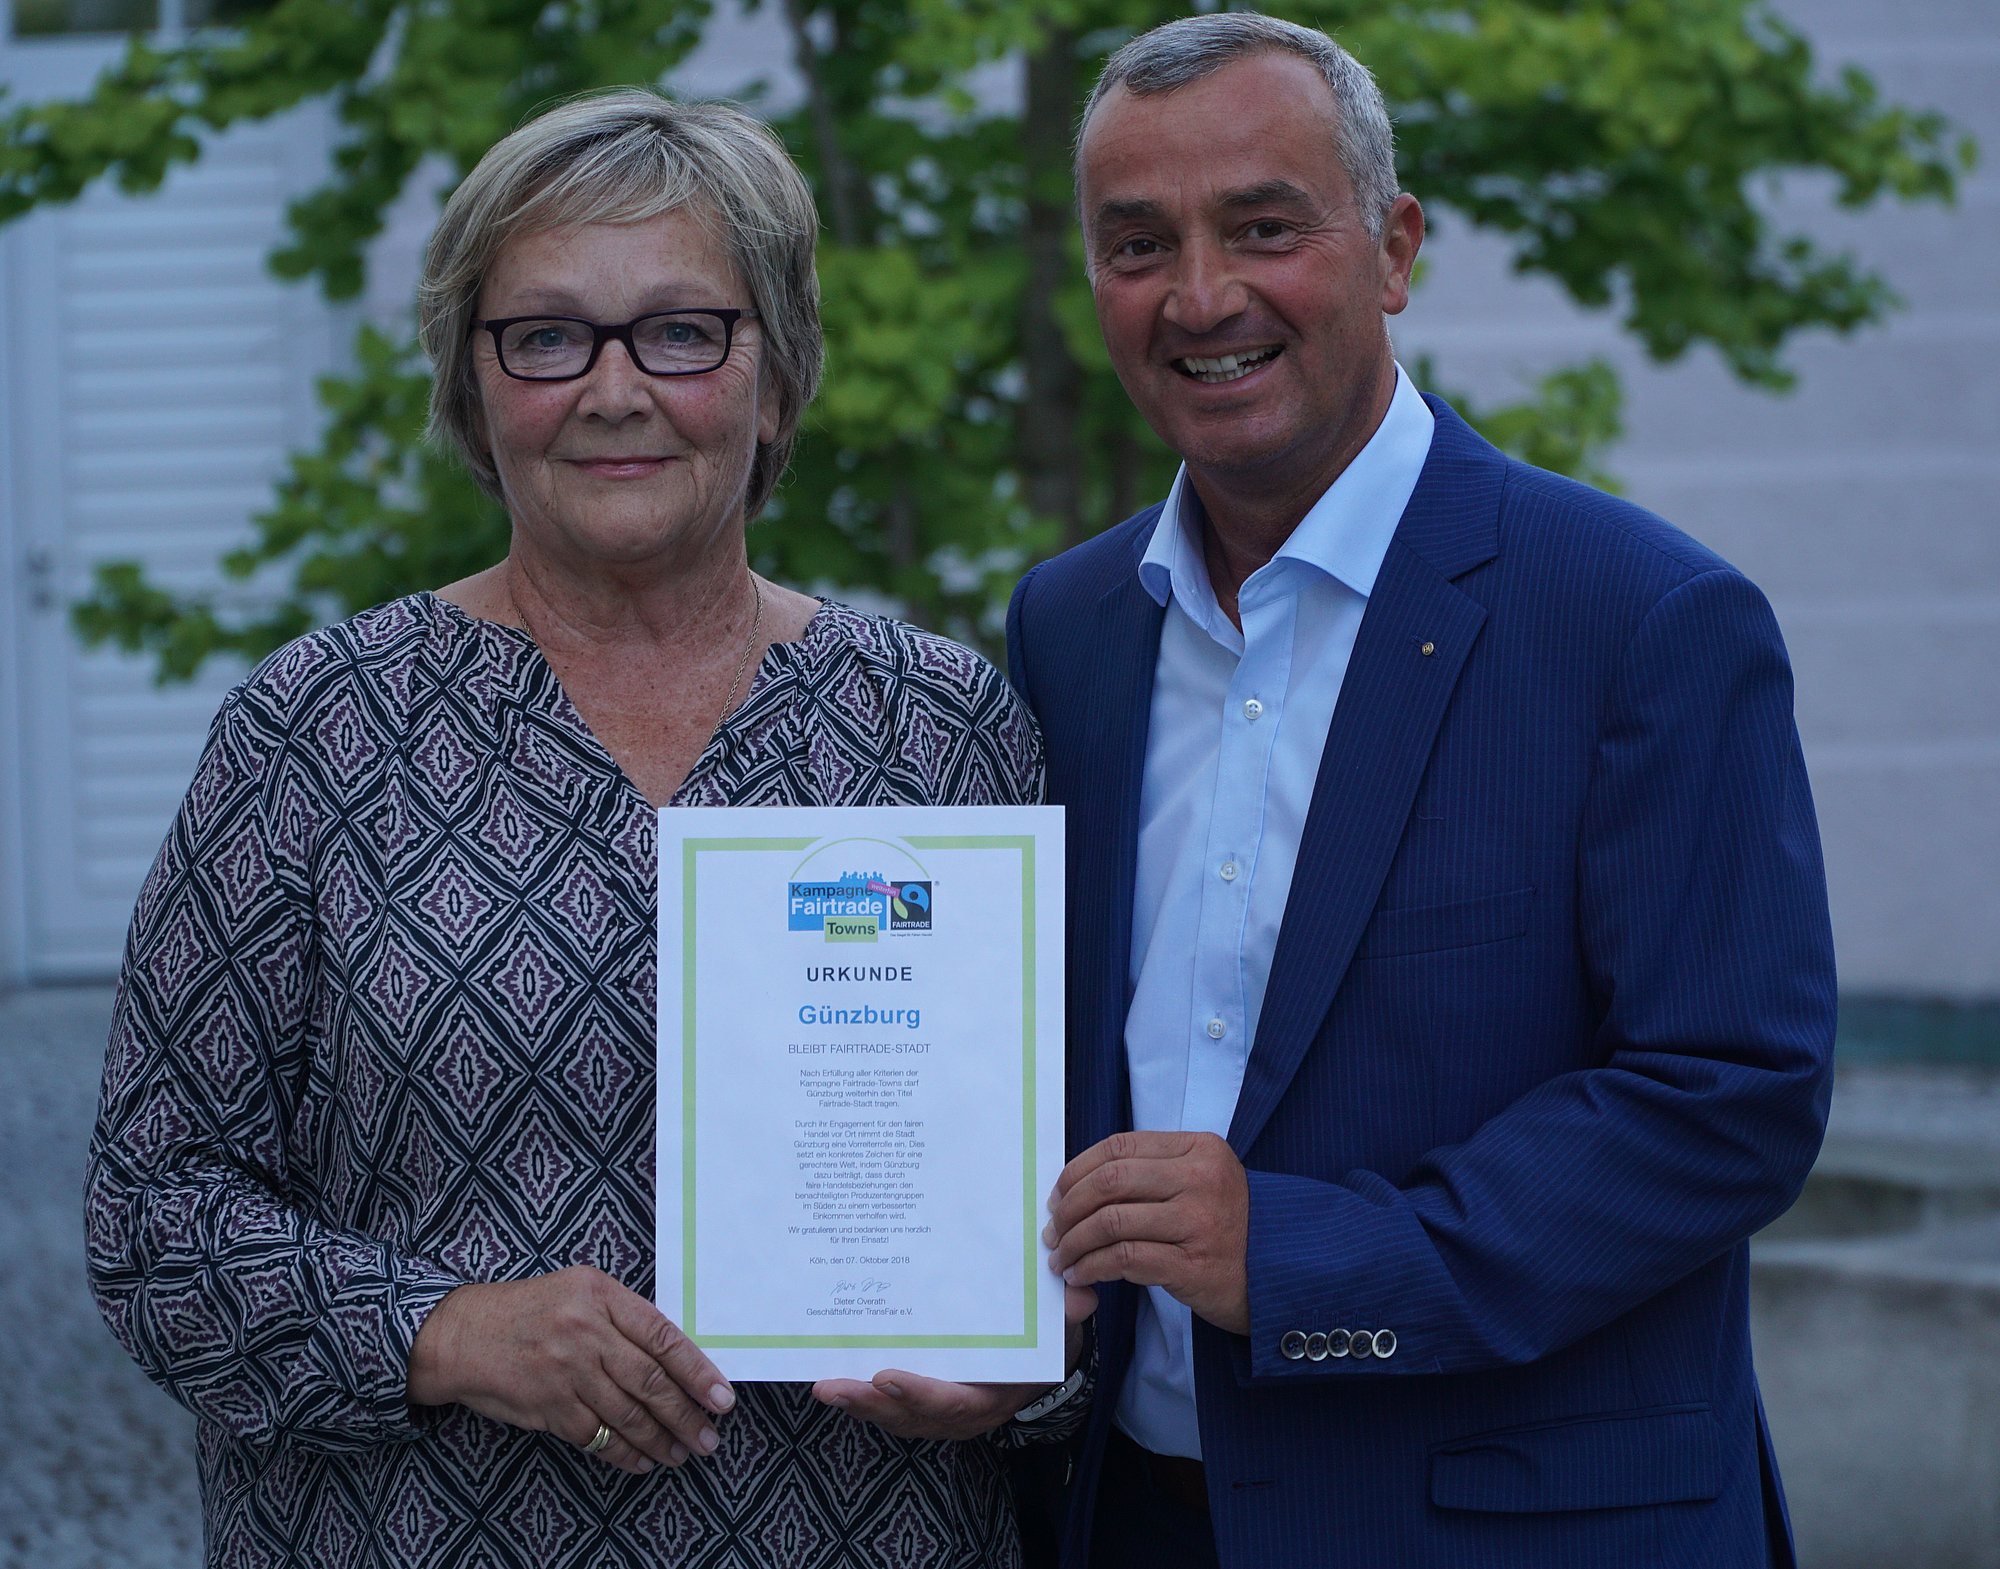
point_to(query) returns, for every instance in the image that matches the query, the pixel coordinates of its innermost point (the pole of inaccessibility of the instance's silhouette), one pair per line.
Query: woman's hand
(913, 1407)
(559, 1354)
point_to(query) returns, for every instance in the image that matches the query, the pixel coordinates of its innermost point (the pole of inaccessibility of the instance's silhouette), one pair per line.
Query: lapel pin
(1429, 649)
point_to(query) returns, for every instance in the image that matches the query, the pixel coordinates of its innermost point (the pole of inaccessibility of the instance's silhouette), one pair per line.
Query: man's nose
(1206, 291)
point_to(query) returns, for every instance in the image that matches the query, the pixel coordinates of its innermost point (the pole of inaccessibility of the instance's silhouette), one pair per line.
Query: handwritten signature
(860, 1288)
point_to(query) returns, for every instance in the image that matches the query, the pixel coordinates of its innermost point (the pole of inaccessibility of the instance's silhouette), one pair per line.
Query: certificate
(861, 1088)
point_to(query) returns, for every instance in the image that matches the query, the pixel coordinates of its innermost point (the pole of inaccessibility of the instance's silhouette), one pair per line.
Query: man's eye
(1138, 247)
(1269, 229)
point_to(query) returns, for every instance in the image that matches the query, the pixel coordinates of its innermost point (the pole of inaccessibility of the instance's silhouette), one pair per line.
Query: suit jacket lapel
(1104, 836)
(1413, 642)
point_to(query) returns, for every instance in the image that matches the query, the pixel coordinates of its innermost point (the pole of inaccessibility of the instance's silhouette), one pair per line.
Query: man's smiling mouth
(1225, 367)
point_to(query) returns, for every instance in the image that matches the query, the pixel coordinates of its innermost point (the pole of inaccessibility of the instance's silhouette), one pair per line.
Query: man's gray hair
(1177, 54)
(622, 157)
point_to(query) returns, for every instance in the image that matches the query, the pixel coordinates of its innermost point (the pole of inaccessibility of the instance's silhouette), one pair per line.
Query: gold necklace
(742, 659)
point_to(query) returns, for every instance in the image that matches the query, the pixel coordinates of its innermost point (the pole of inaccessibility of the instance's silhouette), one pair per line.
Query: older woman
(372, 1185)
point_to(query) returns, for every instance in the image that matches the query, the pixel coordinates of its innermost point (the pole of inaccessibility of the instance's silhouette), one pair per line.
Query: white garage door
(155, 375)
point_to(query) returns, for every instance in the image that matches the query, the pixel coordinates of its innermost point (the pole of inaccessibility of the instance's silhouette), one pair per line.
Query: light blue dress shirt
(1239, 720)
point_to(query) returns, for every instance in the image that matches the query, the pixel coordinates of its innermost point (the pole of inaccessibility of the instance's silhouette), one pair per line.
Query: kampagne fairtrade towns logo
(859, 906)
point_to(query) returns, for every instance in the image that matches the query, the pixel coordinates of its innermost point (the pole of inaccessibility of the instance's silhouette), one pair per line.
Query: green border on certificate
(1025, 845)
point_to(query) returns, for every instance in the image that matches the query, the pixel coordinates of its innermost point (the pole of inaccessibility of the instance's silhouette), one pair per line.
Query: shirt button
(1216, 1029)
(1228, 871)
(1252, 709)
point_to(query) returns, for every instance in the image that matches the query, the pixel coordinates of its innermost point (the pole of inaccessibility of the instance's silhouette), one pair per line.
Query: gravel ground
(96, 1465)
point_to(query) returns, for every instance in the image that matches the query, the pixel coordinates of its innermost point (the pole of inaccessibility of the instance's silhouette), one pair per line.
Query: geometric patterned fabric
(386, 1026)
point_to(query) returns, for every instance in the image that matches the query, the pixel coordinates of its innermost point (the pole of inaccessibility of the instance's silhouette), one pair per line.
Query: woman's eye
(542, 337)
(681, 332)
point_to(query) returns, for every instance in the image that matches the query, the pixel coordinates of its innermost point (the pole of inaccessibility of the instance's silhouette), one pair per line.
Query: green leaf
(1618, 146)
(1574, 414)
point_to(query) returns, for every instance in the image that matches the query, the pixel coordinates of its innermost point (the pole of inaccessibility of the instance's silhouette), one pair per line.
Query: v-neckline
(768, 672)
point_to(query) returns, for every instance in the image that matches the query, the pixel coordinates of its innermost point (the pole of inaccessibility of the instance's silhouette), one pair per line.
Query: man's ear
(1402, 238)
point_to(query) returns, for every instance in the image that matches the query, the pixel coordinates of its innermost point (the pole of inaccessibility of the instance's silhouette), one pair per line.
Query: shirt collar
(1344, 536)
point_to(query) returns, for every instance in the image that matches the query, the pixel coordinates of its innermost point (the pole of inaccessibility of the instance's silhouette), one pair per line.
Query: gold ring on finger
(598, 1439)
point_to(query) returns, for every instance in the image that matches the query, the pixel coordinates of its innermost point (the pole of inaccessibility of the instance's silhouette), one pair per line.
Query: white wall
(1866, 503)
(155, 376)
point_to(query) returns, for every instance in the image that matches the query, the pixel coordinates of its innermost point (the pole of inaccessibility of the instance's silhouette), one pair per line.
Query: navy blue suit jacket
(1548, 1034)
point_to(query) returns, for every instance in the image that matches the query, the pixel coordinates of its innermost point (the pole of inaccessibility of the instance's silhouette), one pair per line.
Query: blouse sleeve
(1001, 759)
(1059, 1414)
(205, 1259)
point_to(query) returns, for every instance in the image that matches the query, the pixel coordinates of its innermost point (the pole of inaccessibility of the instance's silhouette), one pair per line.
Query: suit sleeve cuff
(1342, 1284)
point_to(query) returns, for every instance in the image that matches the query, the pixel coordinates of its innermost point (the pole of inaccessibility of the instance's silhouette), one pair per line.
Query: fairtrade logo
(909, 905)
(859, 906)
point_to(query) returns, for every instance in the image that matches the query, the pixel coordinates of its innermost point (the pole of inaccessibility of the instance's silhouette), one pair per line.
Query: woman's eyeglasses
(562, 348)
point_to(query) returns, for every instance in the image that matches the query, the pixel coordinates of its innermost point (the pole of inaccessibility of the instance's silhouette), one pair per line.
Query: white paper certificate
(861, 1088)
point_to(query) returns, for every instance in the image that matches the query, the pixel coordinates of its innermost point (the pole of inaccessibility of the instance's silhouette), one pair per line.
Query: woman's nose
(615, 387)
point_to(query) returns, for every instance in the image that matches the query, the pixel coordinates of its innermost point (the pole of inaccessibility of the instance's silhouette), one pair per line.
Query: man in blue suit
(1451, 990)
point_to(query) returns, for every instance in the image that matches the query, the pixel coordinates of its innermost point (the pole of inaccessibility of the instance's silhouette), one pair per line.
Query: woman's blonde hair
(621, 157)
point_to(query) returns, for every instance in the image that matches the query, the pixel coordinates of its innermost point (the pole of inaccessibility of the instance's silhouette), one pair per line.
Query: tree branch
(832, 161)
(1051, 461)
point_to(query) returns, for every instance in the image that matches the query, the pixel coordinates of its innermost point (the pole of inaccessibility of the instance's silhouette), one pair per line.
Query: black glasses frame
(603, 333)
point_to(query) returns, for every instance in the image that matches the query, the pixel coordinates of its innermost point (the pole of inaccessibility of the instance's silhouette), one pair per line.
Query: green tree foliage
(970, 422)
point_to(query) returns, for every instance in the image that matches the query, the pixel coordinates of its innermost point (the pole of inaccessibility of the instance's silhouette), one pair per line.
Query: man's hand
(914, 1407)
(560, 1353)
(1158, 1209)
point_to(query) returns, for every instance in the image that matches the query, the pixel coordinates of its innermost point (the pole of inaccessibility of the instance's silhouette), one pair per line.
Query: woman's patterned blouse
(386, 1026)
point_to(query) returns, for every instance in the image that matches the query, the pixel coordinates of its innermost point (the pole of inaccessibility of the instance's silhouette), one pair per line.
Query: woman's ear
(490, 449)
(767, 403)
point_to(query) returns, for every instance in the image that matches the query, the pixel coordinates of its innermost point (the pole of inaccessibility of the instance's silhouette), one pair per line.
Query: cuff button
(1337, 1342)
(1385, 1342)
(1316, 1347)
(1361, 1345)
(1293, 1345)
